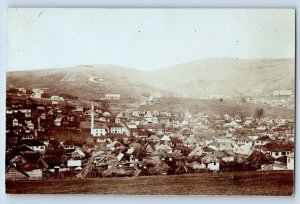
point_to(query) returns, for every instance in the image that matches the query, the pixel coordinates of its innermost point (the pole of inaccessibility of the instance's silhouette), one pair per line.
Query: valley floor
(271, 183)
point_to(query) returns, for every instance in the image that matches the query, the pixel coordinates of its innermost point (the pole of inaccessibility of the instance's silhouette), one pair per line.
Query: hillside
(226, 77)
(230, 76)
(215, 107)
(89, 81)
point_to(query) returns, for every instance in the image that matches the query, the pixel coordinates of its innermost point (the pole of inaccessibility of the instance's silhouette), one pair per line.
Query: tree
(259, 112)
(221, 99)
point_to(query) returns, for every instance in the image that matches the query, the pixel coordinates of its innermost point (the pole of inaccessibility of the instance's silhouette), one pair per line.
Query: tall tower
(92, 118)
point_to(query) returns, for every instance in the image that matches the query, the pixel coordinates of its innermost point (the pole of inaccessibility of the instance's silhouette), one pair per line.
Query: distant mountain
(194, 79)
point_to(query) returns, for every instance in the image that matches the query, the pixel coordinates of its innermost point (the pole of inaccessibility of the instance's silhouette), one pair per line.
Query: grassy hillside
(229, 76)
(234, 183)
(216, 107)
(197, 79)
(114, 79)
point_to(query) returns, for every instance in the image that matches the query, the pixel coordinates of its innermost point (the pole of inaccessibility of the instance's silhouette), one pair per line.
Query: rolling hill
(230, 76)
(89, 81)
(226, 77)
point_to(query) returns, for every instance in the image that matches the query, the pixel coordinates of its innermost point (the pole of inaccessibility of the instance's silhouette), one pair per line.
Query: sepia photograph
(150, 101)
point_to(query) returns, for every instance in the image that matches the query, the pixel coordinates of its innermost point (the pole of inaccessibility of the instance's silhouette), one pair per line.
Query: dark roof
(32, 143)
(54, 152)
(282, 159)
(255, 160)
(264, 138)
(114, 125)
(276, 147)
(24, 148)
(207, 149)
(28, 166)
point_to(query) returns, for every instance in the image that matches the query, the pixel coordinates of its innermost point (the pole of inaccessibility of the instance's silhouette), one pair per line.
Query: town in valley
(62, 137)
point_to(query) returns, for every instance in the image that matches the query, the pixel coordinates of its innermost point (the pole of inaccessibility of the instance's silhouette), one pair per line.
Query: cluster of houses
(137, 141)
(278, 98)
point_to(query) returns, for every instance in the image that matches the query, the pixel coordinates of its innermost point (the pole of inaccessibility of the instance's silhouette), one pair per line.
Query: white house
(151, 99)
(112, 97)
(223, 139)
(56, 99)
(37, 147)
(148, 118)
(37, 93)
(117, 129)
(262, 127)
(118, 120)
(57, 121)
(155, 120)
(249, 119)
(196, 152)
(15, 122)
(30, 126)
(211, 162)
(227, 117)
(165, 139)
(153, 138)
(72, 164)
(78, 153)
(275, 150)
(68, 146)
(28, 137)
(164, 148)
(99, 130)
(135, 113)
(282, 92)
(262, 141)
(131, 125)
(243, 149)
(253, 137)
(9, 112)
(237, 119)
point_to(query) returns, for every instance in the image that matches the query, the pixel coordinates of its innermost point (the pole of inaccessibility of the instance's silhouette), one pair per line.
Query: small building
(211, 162)
(58, 121)
(275, 150)
(135, 113)
(227, 117)
(35, 145)
(116, 129)
(15, 122)
(282, 92)
(237, 119)
(56, 99)
(37, 93)
(262, 141)
(112, 97)
(78, 154)
(72, 164)
(99, 129)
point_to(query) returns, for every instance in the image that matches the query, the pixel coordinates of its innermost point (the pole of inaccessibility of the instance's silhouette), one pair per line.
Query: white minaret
(92, 118)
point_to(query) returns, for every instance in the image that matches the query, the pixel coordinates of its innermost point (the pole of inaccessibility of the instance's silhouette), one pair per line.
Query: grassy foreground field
(233, 183)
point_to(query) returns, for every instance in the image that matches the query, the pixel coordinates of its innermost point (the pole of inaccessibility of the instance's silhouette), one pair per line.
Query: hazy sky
(144, 38)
